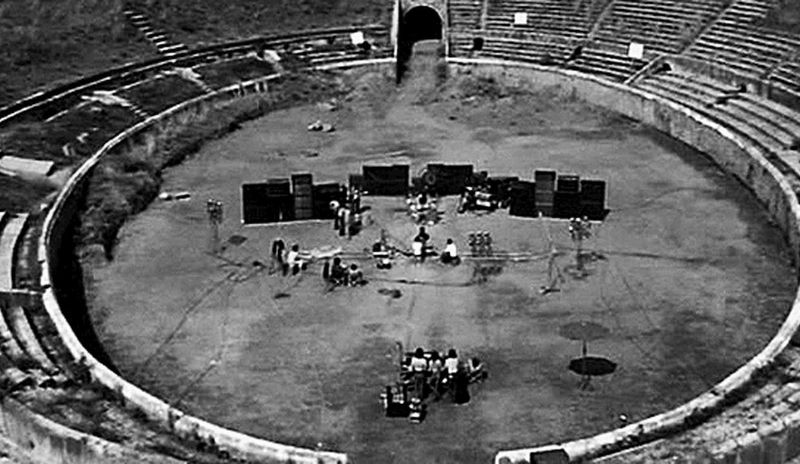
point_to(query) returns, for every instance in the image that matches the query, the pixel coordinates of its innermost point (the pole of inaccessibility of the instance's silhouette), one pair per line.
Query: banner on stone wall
(636, 50)
(357, 38)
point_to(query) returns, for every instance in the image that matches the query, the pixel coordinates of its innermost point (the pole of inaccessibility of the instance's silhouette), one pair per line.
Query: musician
(419, 367)
(450, 253)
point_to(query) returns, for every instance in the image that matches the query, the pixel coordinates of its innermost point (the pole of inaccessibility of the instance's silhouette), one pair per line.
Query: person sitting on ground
(450, 253)
(338, 276)
(381, 253)
(476, 370)
(354, 276)
(419, 368)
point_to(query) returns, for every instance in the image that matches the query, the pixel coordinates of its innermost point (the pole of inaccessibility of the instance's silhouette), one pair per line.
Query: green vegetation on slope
(206, 21)
(125, 183)
(50, 42)
(785, 16)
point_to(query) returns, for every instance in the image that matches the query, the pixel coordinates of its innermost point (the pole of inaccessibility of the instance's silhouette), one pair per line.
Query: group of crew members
(421, 248)
(422, 208)
(337, 273)
(287, 261)
(347, 219)
(440, 375)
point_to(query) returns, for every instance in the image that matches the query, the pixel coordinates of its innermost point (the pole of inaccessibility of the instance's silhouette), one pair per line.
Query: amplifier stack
(303, 191)
(522, 199)
(567, 197)
(269, 201)
(593, 199)
(448, 179)
(545, 191)
(324, 194)
(388, 180)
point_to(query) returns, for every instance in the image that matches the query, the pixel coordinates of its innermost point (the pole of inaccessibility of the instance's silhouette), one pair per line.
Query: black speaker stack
(324, 194)
(448, 179)
(303, 190)
(269, 201)
(522, 197)
(567, 197)
(545, 191)
(559, 196)
(387, 180)
(500, 187)
(593, 199)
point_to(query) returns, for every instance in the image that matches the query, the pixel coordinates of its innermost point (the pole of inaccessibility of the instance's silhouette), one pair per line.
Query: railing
(76, 88)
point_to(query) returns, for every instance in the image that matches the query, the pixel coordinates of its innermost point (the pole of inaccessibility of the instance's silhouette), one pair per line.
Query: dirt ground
(695, 280)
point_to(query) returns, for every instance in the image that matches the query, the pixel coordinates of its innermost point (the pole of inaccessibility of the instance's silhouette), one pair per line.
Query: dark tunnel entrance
(417, 24)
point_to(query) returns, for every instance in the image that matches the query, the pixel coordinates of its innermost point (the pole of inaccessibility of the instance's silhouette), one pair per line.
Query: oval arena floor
(695, 280)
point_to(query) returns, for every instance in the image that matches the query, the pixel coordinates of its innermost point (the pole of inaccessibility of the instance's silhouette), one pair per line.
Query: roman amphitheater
(133, 330)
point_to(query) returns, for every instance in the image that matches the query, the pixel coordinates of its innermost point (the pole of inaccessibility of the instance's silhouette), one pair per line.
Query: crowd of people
(287, 260)
(440, 375)
(336, 273)
(422, 208)
(347, 214)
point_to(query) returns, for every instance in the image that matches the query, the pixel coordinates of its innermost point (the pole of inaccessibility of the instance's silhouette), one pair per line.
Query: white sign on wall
(357, 38)
(521, 19)
(636, 50)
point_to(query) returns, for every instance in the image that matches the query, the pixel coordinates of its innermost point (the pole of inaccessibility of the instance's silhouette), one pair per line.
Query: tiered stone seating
(564, 18)
(733, 42)
(12, 226)
(661, 25)
(534, 50)
(156, 95)
(766, 123)
(337, 48)
(465, 15)
(787, 77)
(26, 338)
(614, 65)
(460, 45)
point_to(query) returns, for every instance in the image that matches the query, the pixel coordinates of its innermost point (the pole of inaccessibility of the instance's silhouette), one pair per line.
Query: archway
(417, 24)
(421, 23)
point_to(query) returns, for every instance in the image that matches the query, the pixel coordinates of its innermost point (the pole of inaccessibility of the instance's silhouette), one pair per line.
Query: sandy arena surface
(695, 281)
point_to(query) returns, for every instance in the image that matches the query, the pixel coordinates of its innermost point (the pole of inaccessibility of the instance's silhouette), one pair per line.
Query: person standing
(278, 248)
(437, 370)
(293, 260)
(451, 369)
(354, 276)
(421, 238)
(419, 369)
(334, 206)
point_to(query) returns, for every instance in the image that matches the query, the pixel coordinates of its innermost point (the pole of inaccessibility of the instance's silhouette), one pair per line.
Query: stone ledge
(769, 185)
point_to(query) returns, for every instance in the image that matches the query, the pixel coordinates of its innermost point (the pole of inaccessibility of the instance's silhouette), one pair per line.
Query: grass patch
(209, 21)
(785, 16)
(124, 184)
(22, 195)
(51, 42)
(156, 95)
(223, 74)
(44, 140)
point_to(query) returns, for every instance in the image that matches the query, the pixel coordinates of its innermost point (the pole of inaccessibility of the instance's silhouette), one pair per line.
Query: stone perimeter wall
(735, 156)
(58, 223)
